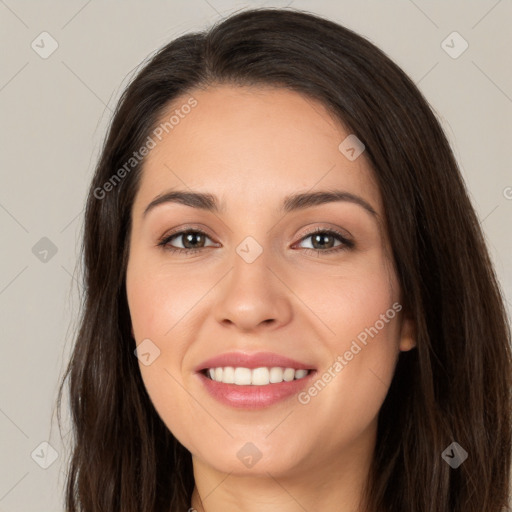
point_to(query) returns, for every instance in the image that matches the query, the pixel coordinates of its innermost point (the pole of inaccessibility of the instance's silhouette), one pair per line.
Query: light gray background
(54, 115)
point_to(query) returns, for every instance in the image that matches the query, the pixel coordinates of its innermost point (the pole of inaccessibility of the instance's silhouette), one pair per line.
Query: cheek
(160, 306)
(155, 308)
(159, 299)
(356, 302)
(363, 317)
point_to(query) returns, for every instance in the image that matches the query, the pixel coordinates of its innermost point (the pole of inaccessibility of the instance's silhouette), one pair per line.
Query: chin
(248, 460)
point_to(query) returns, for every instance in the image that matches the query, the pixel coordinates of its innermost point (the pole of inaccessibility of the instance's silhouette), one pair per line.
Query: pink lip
(257, 360)
(250, 396)
(254, 397)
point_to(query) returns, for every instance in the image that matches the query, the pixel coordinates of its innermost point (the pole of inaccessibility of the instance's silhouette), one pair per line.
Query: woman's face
(261, 281)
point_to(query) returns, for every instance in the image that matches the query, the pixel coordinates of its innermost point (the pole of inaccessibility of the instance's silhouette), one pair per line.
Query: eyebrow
(295, 202)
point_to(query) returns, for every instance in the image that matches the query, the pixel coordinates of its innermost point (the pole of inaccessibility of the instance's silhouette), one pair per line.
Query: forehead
(259, 143)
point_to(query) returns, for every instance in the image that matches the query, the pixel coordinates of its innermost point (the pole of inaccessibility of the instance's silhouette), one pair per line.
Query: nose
(253, 296)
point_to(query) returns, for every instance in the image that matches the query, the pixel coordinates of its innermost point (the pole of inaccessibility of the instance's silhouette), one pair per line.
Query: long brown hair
(455, 386)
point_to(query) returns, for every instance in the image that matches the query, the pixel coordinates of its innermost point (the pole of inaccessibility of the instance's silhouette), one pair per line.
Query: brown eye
(191, 241)
(324, 240)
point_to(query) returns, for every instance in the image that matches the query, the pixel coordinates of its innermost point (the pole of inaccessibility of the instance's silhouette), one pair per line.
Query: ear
(407, 333)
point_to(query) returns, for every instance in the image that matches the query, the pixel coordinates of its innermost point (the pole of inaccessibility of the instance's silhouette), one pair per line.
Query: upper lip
(256, 360)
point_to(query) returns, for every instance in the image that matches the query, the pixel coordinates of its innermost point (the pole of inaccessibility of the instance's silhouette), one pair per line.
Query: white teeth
(276, 375)
(255, 377)
(260, 377)
(242, 376)
(228, 375)
(300, 373)
(288, 374)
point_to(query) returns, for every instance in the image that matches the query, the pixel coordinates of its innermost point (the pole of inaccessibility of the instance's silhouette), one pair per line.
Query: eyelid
(343, 233)
(184, 228)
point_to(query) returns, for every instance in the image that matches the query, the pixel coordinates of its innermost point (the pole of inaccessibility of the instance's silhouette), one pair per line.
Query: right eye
(188, 237)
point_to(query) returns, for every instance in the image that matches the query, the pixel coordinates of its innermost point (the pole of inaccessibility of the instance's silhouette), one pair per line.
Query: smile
(262, 376)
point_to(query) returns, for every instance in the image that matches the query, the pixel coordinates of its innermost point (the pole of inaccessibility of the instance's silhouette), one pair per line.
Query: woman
(227, 359)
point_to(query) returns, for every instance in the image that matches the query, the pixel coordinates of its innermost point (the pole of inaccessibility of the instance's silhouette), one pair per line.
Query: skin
(307, 305)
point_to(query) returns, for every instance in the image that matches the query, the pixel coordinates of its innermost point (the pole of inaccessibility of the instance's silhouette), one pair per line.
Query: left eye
(320, 240)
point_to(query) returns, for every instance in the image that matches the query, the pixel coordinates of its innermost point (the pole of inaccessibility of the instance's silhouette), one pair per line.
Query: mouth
(253, 381)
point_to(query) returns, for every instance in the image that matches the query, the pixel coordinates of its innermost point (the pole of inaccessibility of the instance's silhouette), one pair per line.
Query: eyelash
(346, 244)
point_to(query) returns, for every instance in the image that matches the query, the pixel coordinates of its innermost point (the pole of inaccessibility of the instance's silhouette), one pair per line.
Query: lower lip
(254, 397)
